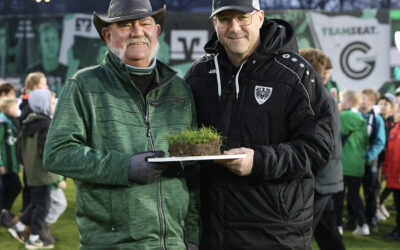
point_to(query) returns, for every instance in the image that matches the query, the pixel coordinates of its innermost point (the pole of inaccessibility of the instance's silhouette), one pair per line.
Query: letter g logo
(354, 61)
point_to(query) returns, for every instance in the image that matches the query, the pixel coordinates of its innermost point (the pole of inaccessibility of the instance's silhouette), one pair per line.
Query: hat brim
(243, 9)
(100, 21)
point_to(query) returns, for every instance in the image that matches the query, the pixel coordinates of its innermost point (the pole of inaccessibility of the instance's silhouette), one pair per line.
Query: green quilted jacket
(102, 119)
(355, 143)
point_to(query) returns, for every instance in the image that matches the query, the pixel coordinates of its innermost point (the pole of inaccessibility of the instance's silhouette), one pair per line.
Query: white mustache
(137, 40)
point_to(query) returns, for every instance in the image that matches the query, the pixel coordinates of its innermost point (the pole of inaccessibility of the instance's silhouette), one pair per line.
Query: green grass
(202, 135)
(67, 230)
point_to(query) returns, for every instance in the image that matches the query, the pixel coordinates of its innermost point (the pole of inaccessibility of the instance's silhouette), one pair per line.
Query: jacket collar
(163, 74)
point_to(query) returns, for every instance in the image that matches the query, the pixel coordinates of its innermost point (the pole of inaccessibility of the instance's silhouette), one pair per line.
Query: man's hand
(2, 170)
(141, 171)
(240, 167)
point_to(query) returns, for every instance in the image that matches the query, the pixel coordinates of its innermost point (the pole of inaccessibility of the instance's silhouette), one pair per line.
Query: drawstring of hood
(218, 73)
(237, 79)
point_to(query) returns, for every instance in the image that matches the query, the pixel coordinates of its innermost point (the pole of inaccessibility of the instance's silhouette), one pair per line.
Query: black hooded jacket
(274, 104)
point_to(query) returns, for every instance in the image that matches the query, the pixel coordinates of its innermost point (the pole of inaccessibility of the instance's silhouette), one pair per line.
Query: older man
(112, 117)
(269, 104)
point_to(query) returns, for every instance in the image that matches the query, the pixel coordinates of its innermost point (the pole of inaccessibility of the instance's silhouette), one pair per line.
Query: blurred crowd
(24, 123)
(370, 142)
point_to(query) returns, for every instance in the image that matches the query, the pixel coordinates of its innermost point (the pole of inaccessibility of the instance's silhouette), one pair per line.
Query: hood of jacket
(353, 121)
(33, 123)
(40, 101)
(276, 36)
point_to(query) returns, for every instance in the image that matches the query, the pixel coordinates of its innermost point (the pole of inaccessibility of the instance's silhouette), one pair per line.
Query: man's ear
(106, 32)
(214, 23)
(158, 27)
(261, 16)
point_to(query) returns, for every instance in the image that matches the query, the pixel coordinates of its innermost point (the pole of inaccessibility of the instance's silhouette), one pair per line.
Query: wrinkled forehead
(140, 20)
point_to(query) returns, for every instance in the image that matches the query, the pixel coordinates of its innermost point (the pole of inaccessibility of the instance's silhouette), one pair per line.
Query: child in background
(34, 133)
(58, 204)
(377, 141)
(7, 90)
(330, 84)
(33, 81)
(386, 107)
(9, 165)
(391, 170)
(355, 142)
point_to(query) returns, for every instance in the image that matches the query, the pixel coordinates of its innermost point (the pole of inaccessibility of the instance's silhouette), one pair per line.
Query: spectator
(33, 81)
(397, 93)
(377, 140)
(7, 89)
(355, 142)
(58, 204)
(391, 169)
(34, 133)
(329, 180)
(385, 104)
(332, 85)
(9, 165)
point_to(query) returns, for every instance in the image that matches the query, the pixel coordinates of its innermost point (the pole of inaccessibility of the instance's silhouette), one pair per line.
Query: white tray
(197, 158)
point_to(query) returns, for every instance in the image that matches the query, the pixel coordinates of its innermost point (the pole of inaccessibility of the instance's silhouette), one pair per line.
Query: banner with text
(357, 42)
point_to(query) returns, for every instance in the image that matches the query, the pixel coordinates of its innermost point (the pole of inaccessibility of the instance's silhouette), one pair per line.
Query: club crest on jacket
(262, 94)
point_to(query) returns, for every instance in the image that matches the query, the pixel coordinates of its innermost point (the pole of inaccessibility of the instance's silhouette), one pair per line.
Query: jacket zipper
(146, 120)
(148, 134)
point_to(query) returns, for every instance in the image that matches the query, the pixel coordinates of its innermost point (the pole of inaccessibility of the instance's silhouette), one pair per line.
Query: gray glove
(141, 171)
(192, 246)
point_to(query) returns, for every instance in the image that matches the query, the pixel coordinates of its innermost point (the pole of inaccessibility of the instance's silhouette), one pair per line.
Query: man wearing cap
(268, 103)
(397, 93)
(109, 120)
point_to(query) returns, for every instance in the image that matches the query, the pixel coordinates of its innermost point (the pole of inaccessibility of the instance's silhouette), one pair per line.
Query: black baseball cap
(388, 97)
(245, 6)
(397, 91)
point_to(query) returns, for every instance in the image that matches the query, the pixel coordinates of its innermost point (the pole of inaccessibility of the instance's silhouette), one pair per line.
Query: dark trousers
(26, 194)
(396, 197)
(37, 210)
(385, 193)
(354, 201)
(1, 191)
(11, 188)
(338, 206)
(370, 187)
(320, 202)
(325, 228)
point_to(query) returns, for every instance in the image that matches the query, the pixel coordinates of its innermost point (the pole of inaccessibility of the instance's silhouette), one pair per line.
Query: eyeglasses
(242, 19)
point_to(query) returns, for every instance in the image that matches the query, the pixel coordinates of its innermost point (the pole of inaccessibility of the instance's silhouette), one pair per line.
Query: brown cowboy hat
(122, 10)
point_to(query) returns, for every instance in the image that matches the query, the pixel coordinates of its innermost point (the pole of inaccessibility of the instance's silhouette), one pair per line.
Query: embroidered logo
(262, 94)
(212, 71)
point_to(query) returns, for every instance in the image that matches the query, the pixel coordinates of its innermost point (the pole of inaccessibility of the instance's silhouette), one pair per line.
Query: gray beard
(120, 52)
